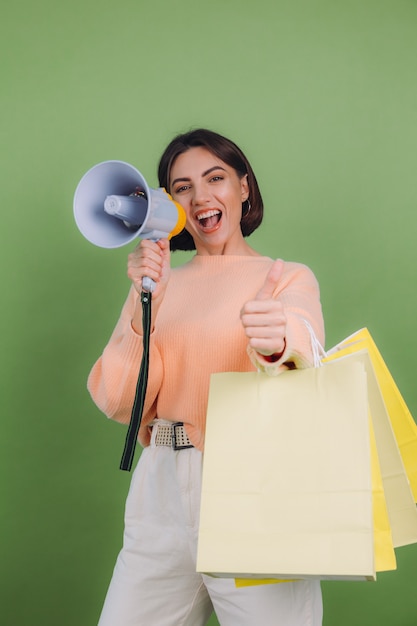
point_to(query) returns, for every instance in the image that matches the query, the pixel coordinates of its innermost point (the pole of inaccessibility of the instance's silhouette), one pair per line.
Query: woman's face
(212, 194)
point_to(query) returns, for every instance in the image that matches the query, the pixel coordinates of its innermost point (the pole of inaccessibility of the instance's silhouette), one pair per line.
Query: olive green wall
(323, 98)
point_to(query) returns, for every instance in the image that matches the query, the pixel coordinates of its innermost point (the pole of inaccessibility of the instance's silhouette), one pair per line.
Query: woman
(227, 309)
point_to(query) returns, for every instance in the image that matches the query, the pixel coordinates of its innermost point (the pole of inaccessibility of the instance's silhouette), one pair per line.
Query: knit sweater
(198, 332)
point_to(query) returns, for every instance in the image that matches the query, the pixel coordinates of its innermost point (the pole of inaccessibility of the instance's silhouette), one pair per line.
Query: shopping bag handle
(316, 348)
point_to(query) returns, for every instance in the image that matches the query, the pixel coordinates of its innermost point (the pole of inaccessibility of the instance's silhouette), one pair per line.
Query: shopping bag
(395, 435)
(403, 424)
(394, 492)
(286, 488)
(385, 559)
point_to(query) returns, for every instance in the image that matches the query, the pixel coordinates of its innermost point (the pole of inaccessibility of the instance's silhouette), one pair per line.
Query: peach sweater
(198, 332)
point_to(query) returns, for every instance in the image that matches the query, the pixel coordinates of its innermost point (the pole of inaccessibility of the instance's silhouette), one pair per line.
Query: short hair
(229, 153)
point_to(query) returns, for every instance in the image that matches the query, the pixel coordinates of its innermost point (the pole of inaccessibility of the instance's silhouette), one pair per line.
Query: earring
(248, 208)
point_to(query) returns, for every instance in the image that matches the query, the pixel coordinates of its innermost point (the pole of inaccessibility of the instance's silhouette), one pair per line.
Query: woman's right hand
(151, 259)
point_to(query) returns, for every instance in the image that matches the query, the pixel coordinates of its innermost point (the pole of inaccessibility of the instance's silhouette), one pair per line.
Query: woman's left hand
(263, 318)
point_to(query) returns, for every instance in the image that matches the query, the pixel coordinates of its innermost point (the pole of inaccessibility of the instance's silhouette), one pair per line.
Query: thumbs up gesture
(263, 318)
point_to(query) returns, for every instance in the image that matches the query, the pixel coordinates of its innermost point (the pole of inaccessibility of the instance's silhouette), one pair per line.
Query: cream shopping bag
(385, 559)
(287, 490)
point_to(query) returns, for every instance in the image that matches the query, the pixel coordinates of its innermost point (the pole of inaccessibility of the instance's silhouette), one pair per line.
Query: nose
(200, 194)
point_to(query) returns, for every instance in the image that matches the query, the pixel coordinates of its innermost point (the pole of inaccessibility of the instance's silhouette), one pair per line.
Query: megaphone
(113, 205)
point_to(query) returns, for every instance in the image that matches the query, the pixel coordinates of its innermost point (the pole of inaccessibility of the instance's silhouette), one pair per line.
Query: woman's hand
(151, 259)
(263, 318)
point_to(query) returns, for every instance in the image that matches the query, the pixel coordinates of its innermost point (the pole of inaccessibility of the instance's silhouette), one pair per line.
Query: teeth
(206, 214)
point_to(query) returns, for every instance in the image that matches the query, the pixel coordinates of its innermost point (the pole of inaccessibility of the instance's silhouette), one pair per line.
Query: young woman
(228, 309)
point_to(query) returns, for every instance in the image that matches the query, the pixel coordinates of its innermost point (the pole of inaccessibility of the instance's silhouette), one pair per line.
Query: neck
(240, 248)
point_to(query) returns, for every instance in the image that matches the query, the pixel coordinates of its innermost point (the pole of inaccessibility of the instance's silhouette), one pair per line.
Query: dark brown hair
(229, 153)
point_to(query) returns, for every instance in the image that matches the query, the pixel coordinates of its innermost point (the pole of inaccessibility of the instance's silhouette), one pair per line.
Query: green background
(322, 96)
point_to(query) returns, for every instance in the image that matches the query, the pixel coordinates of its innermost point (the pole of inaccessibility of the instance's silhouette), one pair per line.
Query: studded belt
(171, 435)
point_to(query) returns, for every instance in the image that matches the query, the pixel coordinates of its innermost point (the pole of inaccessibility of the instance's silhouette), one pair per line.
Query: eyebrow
(211, 169)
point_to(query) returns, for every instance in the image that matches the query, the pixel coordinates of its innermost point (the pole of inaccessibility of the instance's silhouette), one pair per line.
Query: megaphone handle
(148, 284)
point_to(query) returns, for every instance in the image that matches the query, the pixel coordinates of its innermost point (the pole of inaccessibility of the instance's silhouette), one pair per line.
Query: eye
(217, 178)
(181, 189)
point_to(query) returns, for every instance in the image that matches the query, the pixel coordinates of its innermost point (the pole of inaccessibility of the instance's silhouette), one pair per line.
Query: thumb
(272, 279)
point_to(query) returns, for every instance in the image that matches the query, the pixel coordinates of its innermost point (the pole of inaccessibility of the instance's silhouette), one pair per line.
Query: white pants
(155, 581)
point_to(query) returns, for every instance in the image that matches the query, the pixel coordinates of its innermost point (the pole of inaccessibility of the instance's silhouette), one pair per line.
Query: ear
(244, 187)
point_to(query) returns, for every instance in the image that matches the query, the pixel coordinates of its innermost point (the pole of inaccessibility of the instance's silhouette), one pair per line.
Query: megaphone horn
(113, 205)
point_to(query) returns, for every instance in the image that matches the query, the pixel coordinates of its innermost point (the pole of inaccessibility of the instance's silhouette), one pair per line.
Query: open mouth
(209, 219)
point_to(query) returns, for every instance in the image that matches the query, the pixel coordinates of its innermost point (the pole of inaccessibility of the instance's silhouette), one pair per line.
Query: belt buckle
(175, 445)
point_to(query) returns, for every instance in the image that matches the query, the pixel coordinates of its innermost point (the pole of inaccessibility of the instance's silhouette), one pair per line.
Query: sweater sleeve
(112, 380)
(299, 293)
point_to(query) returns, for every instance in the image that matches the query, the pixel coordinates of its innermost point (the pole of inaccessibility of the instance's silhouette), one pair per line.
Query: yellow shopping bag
(391, 418)
(403, 425)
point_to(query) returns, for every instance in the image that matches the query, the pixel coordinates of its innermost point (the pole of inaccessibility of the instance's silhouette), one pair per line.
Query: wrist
(275, 356)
